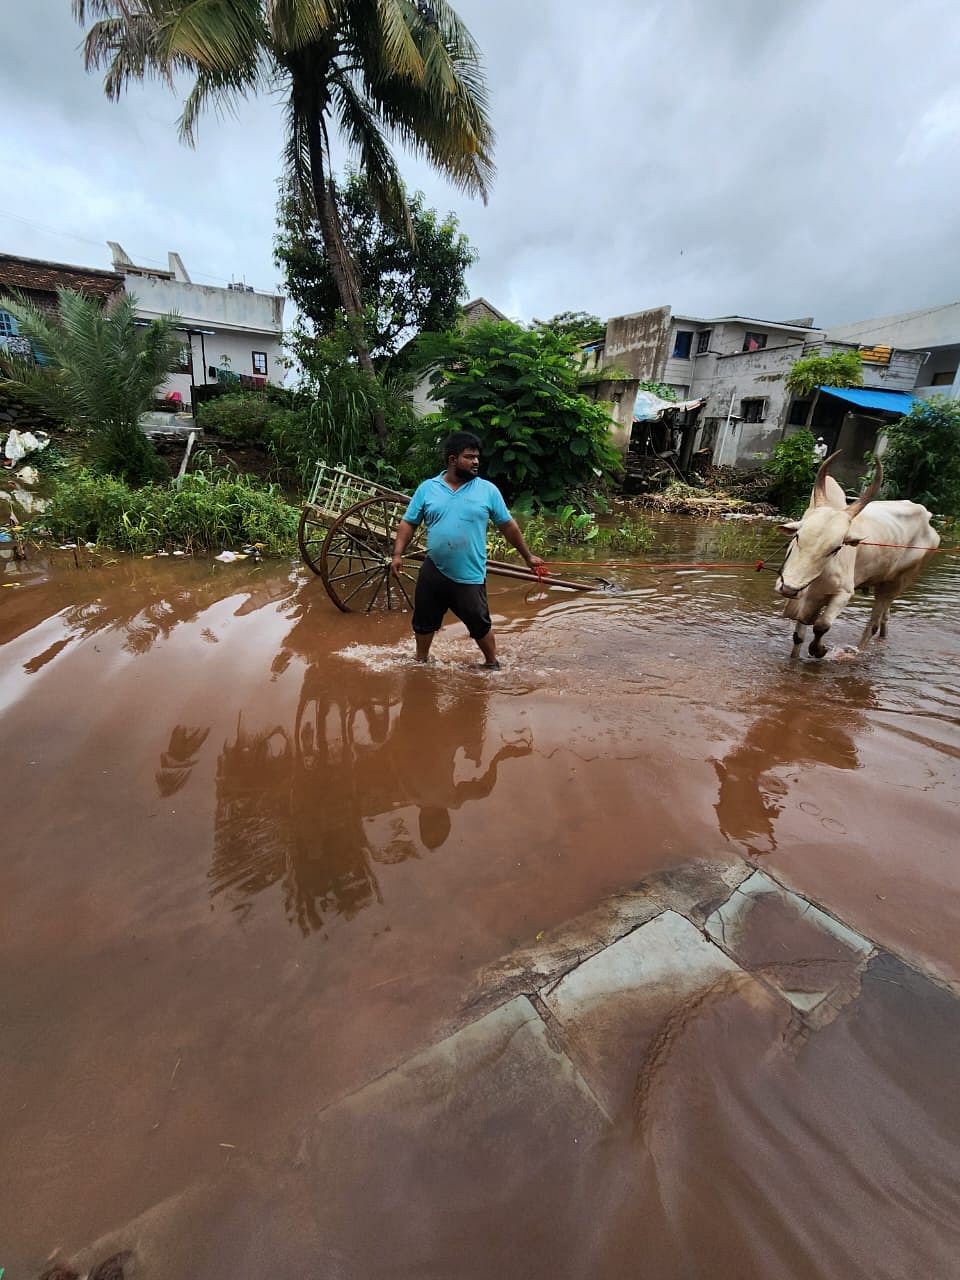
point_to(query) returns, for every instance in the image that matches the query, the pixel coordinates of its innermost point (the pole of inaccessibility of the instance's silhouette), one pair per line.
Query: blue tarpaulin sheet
(868, 398)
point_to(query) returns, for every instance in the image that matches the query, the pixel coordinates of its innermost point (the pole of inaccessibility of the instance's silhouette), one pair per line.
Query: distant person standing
(456, 507)
(820, 449)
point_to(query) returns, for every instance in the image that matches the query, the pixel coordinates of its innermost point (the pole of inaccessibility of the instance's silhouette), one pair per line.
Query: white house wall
(243, 322)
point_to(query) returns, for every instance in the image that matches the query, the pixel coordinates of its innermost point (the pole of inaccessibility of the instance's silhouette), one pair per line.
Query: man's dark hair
(455, 444)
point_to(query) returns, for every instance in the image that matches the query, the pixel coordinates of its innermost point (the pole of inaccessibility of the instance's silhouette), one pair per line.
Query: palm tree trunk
(341, 264)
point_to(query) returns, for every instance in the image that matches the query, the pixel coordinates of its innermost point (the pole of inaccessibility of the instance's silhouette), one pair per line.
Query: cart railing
(334, 490)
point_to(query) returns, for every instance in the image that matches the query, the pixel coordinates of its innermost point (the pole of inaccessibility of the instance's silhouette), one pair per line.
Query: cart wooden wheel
(311, 534)
(355, 559)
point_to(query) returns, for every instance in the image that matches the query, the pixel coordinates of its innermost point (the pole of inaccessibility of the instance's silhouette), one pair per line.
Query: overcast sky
(772, 159)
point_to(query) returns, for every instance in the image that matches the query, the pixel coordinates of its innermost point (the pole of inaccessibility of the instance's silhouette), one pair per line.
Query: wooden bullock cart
(346, 534)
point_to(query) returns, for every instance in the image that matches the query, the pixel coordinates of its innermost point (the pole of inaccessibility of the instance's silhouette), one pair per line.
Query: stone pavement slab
(469, 1160)
(804, 952)
(613, 1007)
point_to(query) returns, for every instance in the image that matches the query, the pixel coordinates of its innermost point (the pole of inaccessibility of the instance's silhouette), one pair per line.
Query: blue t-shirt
(456, 521)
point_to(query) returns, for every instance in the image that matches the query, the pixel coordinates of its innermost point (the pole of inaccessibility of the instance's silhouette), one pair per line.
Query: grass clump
(571, 531)
(207, 513)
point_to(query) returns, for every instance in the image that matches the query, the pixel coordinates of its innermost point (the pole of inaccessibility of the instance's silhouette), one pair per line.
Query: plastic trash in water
(20, 443)
(228, 557)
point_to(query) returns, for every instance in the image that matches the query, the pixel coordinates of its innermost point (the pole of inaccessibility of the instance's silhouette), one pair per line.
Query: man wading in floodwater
(456, 507)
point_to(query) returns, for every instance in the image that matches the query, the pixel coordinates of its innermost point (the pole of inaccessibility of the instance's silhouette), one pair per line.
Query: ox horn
(820, 484)
(869, 493)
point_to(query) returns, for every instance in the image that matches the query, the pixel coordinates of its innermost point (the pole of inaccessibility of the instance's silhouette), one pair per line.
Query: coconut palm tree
(98, 371)
(373, 70)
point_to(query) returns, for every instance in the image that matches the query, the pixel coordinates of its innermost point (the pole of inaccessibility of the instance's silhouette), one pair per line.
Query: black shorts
(436, 593)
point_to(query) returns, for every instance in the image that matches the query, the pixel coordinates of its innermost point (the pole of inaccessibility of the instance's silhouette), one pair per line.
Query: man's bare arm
(511, 531)
(405, 531)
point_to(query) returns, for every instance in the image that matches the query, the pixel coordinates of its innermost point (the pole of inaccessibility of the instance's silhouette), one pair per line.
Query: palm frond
(295, 23)
(298, 170)
(443, 115)
(217, 35)
(223, 89)
(359, 126)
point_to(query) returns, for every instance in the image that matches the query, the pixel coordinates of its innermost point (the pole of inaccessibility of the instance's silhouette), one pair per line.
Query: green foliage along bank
(208, 513)
(543, 442)
(792, 470)
(922, 457)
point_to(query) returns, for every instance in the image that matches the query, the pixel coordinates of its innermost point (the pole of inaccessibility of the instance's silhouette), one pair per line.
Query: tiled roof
(36, 276)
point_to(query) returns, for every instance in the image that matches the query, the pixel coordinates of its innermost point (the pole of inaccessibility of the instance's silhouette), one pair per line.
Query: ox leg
(799, 632)
(825, 620)
(883, 597)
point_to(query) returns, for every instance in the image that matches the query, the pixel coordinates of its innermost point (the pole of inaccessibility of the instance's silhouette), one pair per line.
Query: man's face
(467, 464)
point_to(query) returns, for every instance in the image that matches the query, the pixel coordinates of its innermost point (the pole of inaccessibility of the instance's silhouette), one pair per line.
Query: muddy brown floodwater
(253, 859)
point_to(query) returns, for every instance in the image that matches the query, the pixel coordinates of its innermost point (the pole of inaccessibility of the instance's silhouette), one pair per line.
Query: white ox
(834, 552)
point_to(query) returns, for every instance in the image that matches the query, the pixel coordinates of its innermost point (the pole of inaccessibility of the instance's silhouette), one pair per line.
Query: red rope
(542, 571)
(648, 564)
(905, 546)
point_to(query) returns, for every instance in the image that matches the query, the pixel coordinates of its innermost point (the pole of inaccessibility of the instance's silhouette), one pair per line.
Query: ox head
(821, 534)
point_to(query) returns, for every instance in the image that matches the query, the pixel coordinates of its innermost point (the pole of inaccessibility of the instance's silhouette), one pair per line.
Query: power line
(140, 259)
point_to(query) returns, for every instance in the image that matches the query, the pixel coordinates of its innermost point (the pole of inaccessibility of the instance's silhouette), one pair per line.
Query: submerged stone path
(470, 1158)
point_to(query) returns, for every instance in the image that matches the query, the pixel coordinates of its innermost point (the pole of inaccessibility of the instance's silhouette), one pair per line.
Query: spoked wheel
(355, 559)
(311, 536)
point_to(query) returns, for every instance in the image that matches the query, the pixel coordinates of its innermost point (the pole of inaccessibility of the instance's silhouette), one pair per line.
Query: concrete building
(37, 281)
(230, 330)
(738, 365)
(934, 331)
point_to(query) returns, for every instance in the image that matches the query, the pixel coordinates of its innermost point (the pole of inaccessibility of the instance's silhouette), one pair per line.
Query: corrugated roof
(868, 398)
(37, 276)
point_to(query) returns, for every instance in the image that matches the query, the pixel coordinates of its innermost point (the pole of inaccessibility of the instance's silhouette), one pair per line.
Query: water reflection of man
(422, 757)
(456, 507)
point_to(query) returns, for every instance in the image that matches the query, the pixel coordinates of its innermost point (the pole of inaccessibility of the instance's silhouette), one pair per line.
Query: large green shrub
(792, 470)
(242, 417)
(922, 458)
(517, 390)
(204, 514)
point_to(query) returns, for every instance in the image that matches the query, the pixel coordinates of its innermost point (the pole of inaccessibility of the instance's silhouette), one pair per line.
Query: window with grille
(260, 363)
(753, 410)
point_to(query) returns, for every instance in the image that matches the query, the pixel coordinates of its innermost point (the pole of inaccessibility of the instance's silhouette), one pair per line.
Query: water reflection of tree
(317, 808)
(784, 733)
(145, 601)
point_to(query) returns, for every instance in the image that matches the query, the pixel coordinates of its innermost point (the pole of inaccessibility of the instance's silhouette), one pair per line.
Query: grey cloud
(775, 160)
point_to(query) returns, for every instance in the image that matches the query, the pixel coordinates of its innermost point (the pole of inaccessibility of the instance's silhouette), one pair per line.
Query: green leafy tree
(100, 371)
(364, 70)
(577, 326)
(517, 389)
(410, 285)
(841, 369)
(792, 470)
(922, 458)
